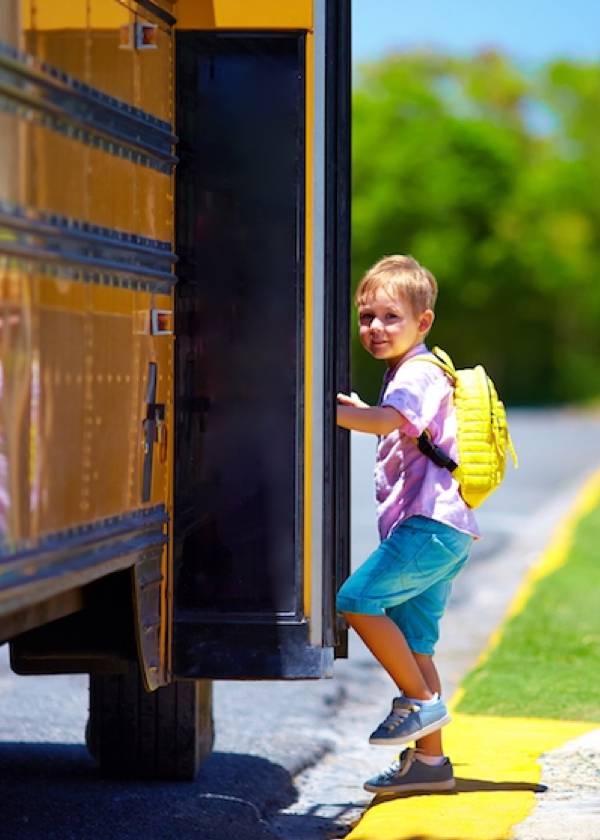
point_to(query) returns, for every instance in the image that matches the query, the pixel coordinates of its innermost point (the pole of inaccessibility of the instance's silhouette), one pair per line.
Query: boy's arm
(353, 413)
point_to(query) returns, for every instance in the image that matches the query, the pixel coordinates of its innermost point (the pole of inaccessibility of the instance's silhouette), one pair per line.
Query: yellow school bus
(174, 238)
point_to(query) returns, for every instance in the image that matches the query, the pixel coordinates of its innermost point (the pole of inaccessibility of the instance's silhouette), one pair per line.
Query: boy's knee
(351, 618)
(425, 657)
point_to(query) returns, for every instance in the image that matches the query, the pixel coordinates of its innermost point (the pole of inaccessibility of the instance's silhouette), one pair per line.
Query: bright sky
(531, 31)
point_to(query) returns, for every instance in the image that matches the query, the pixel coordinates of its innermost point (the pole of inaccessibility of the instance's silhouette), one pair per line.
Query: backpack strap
(426, 446)
(438, 358)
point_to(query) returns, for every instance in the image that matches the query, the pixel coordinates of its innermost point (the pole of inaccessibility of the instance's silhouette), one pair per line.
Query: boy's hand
(353, 399)
(354, 413)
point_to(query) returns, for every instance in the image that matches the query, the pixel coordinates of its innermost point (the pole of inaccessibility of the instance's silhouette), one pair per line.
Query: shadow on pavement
(464, 786)
(473, 785)
(55, 791)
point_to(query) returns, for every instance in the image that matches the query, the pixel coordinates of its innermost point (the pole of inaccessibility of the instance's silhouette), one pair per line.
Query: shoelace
(401, 765)
(398, 714)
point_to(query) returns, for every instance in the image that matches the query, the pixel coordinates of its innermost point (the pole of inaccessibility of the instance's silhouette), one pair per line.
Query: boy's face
(388, 327)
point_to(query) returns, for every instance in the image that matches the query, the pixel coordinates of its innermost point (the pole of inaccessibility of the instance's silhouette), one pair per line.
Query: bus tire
(165, 734)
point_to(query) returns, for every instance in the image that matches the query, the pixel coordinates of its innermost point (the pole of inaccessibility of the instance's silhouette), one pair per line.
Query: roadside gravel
(570, 808)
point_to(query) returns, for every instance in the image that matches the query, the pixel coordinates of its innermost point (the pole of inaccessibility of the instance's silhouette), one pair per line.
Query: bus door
(262, 314)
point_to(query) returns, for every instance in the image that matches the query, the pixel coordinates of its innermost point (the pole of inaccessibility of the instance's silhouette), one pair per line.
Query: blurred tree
(489, 178)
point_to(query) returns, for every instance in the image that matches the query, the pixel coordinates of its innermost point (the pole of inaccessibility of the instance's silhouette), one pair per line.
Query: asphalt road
(289, 758)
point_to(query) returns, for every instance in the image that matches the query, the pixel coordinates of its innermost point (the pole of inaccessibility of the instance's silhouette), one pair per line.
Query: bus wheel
(165, 734)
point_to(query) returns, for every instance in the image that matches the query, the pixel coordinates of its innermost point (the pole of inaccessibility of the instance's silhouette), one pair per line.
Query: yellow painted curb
(497, 770)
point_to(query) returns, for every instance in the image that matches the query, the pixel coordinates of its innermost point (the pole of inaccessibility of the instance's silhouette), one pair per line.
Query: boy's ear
(426, 320)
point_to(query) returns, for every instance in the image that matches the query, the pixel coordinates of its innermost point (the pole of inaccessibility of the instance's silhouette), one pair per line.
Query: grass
(547, 663)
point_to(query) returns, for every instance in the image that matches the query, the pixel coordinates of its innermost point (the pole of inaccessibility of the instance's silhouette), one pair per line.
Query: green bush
(489, 177)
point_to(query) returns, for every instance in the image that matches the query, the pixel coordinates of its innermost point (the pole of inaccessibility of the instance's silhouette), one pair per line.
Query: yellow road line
(496, 758)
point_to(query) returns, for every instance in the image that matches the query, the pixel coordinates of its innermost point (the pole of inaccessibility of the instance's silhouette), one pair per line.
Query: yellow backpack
(482, 431)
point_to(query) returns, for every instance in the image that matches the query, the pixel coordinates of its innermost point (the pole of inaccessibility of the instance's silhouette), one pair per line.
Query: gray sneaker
(407, 773)
(409, 720)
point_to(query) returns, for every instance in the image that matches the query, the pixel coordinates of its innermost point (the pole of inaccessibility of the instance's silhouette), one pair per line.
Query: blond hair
(399, 276)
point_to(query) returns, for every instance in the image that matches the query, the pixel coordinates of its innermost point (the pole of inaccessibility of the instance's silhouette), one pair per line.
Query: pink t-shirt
(407, 483)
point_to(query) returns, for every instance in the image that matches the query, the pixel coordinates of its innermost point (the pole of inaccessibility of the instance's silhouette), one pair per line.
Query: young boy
(395, 600)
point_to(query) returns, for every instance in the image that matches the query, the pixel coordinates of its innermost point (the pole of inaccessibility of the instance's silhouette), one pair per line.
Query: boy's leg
(430, 744)
(427, 768)
(386, 642)
(408, 568)
(419, 619)
(381, 639)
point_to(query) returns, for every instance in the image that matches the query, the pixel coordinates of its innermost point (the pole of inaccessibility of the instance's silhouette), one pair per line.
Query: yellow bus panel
(241, 14)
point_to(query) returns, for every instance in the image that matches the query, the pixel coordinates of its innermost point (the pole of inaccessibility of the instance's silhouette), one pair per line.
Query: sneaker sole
(408, 739)
(449, 784)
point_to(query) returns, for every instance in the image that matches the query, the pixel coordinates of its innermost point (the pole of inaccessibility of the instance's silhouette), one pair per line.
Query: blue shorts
(409, 578)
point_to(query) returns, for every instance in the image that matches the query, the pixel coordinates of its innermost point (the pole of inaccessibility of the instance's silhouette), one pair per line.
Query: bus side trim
(41, 93)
